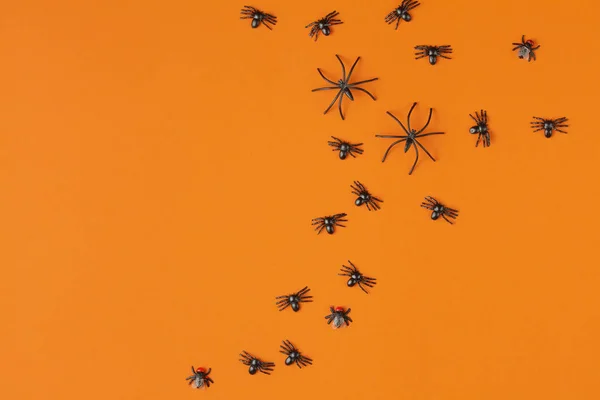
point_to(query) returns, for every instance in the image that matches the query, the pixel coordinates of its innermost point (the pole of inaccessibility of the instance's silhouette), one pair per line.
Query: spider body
(480, 128)
(293, 355)
(345, 148)
(339, 317)
(401, 13)
(357, 278)
(255, 364)
(364, 197)
(526, 49)
(439, 210)
(200, 378)
(258, 17)
(329, 223)
(549, 125)
(293, 300)
(323, 25)
(432, 52)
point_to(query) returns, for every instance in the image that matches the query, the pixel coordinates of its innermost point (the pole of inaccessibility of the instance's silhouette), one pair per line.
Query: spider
(256, 364)
(364, 197)
(323, 25)
(338, 316)
(293, 355)
(433, 52)
(439, 209)
(294, 299)
(258, 17)
(199, 378)
(329, 223)
(401, 12)
(526, 48)
(549, 125)
(357, 278)
(343, 86)
(345, 148)
(410, 137)
(481, 128)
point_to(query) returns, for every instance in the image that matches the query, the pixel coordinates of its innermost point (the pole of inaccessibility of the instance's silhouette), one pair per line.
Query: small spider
(481, 128)
(364, 197)
(438, 209)
(357, 278)
(433, 52)
(199, 378)
(323, 25)
(294, 299)
(255, 364)
(526, 48)
(549, 125)
(410, 138)
(345, 148)
(343, 86)
(338, 316)
(258, 17)
(401, 12)
(329, 223)
(294, 355)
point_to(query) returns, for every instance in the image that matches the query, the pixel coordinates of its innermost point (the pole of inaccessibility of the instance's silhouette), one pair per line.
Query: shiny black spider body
(526, 49)
(345, 148)
(323, 25)
(258, 17)
(432, 52)
(401, 13)
(200, 378)
(480, 128)
(294, 299)
(357, 278)
(339, 317)
(329, 223)
(549, 125)
(439, 210)
(364, 197)
(294, 355)
(255, 364)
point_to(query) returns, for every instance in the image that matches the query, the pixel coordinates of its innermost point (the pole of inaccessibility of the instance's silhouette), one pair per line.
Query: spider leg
(559, 130)
(488, 139)
(443, 56)
(333, 102)
(320, 229)
(311, 24)
(539, 129)
(271, 18)
(360, 285)
(484, 114)
(361, 82)
(424, 149)
(366, 91)
(302, 291)
(343, 68)
(429, 134)
(541, 119)
(325, 88)
(306, 359)
(352, 69)
(420, 55)
(531, 55)
(283, 306)
(335, 22)
(398, 121)
(263, 22)
(474, 119)
(447, 220)
(412, 5)
(427, 123)
(331, 14)
(536, 47)
(416, 159)
(391, 136)
(478, 139)
(523, 39)
(390, 148)
(517, 47)
(340, 106)
(374, 205)
(323, 76)
(561, 120)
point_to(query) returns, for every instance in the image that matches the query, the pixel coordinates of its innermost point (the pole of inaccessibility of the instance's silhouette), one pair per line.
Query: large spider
(438, 209)
(526, 48)
(410, 138)
(481, 128)
(433, 52)
(258, 17)
(356, 277)
(294, 355)
(343, 86)
(401, 12)
(549, 125)
(364, 197)
(329, 223)
(199, 378)
(294, 299)
(256, 364)
(339, 317)
(323, 25)
(345, 148)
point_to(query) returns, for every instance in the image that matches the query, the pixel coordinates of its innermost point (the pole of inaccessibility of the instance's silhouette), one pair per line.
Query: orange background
(161, 163)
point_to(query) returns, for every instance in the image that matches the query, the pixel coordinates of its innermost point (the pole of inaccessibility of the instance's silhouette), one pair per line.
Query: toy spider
(401, 12)
(439, 209)
(410, 138)
(258, 17)
(199, 378)
(255, 364)
(294, 299)
(343, 86)
(339, 317)
(345, 148)
(433, 52)
(481, 128)
(526, 48)
(357, 278)
(329, 223)
(549, 125)
(293, 355)
(323, 25)
(364, 197)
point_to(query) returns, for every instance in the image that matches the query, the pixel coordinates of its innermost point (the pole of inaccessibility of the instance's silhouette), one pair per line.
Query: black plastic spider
(526, 48)
(364, 197)
(438, 209)
(481, 128)
(343, 86)
(256, 364)
(329, 223)
(410, 138)
(549, 125)
(294, 299)
(433, 52)
(345, 148)
(258, 17)
(339, 317)
(323, 25)
(294, 355)
(199, 378)
(357, 278)
(401, 12)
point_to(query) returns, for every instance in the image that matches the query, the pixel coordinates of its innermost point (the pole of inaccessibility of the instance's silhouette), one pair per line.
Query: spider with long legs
(439, 210)
(357, 278)
(294, 299)
(345, 148)
(256, 364)
(343, 86)
(526, 48)
(549, 125)
(294, 355)
(433, 52)
(364, 197)
(200, 378)
(481, 128)
(410, 138)
(339, 317)
(323, 25)
(329, 223)
(258, 17)
(401, 13)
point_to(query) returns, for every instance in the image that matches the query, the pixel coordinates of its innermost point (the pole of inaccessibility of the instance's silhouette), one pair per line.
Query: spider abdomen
(351, 282)
(432, 59)
(406, 17)
(326, 31)
(329, 229)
